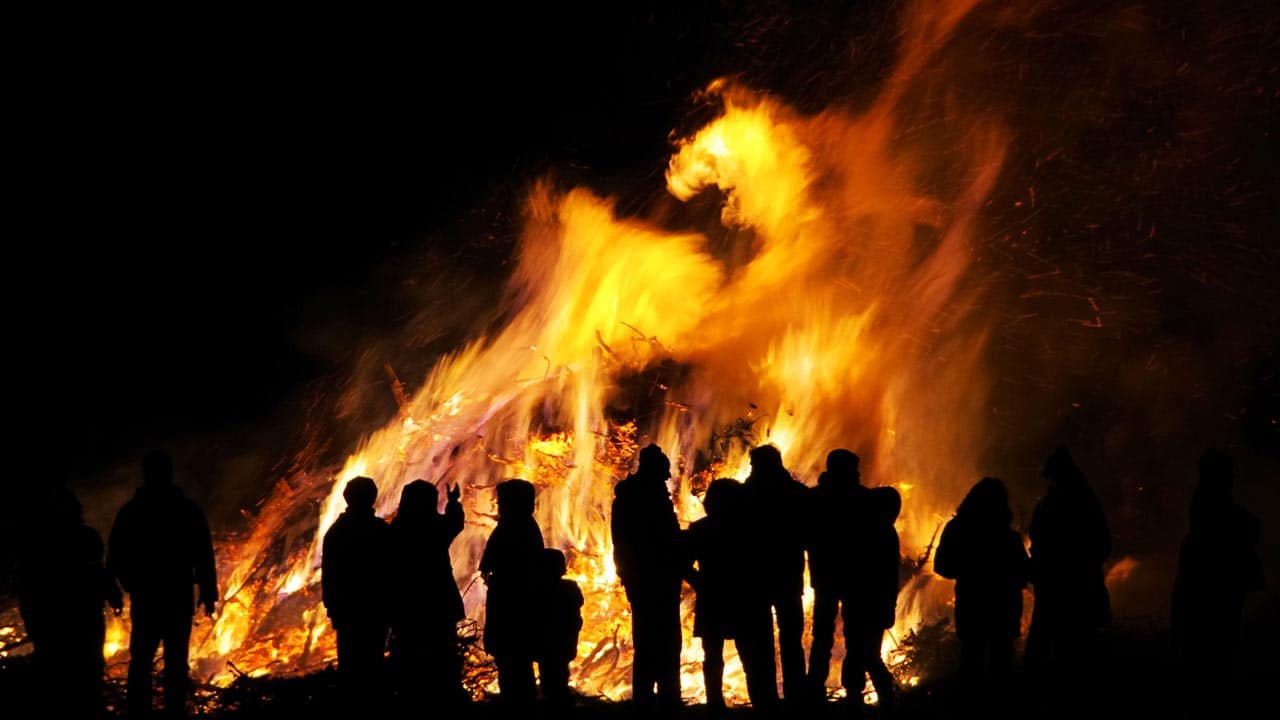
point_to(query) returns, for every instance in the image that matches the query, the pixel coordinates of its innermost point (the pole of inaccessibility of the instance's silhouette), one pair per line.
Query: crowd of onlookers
(389, 588)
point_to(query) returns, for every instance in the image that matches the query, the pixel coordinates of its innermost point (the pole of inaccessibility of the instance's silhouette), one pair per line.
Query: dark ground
(1136, 676)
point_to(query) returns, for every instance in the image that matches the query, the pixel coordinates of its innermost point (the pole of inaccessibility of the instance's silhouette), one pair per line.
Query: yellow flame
(840, 314)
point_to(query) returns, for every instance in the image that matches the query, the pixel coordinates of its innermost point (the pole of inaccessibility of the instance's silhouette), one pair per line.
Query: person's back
(870, 608)
(730, 603)
(160, 546)
(649, 556)
(1217, 567)
(1218, 564)
(354, 580)
(834, 548)
(62, 586)
(1070, 540)
(509, 566)
(984, 555)
(562, 621)
(777, 505)
(426, 605)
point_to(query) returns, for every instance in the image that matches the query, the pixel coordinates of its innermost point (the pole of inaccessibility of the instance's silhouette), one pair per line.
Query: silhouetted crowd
(391, 595)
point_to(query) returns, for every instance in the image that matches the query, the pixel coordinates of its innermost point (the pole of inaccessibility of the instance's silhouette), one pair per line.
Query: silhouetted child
(426, 604)
(1217, 567)
(730, 603)
(560, 623)
(650, 558)
(511, 566)
(160, 547)
(838, 504)
(355, 582)
(1070, 540)
(62, 586)
(870, 609)
(984, 555)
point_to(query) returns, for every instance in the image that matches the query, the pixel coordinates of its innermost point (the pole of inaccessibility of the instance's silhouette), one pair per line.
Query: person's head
(360, 493)
(887, 502)
(765, 458)
(66, 508)
(843, 463)
(987, 502)
(157, 468)
(720, 496)
(515, 499)
(553, 563)
(1217, 473)
(1061, 470)
(654, 463)
(417, 499)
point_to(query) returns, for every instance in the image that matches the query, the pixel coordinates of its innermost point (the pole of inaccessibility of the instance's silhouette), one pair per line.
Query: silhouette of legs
(516, 684)
(713, 671)
(862, 658)
(825, 606)
(154, 624)
(428, 667)
(553, 676)
(360, 662)
(655, 627)
(755, 648)
(790, 614)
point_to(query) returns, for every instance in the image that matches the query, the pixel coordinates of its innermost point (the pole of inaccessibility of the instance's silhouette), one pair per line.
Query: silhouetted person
(62, 586)
(730, 603)
(648, 554)
(838, 505)
(511, 566)
(1217, 567)
(355, 579)
(560, 623)
(426, 603)
(870, 608)
(1070, 541)
(160, 546)
(778, 505)
(984, 555)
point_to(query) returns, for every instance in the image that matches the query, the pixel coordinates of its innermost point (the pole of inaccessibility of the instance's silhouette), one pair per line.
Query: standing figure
(160, 546)
(838, 506)
(426, 605)
(1217, 567)
(870, 608)
(777, 504)
(511, 567)
(355, 578)
(561, 622)
(730, 603)
(648, 554)
(1070, 541)
(984, 555)
(62, 586)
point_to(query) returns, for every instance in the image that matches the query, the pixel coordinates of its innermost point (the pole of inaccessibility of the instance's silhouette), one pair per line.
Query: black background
(232, 223)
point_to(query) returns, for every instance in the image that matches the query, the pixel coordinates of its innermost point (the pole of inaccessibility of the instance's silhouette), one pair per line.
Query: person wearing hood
(159, 547)
(426, 605)
(982, 552)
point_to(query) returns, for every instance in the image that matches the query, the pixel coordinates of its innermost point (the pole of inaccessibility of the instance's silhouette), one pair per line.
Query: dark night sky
(237, 219)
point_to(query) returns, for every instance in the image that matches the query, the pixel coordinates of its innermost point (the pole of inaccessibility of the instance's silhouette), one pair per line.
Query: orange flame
(845, 318)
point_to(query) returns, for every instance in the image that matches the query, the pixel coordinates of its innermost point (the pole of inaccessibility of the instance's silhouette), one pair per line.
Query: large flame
(843, 315)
